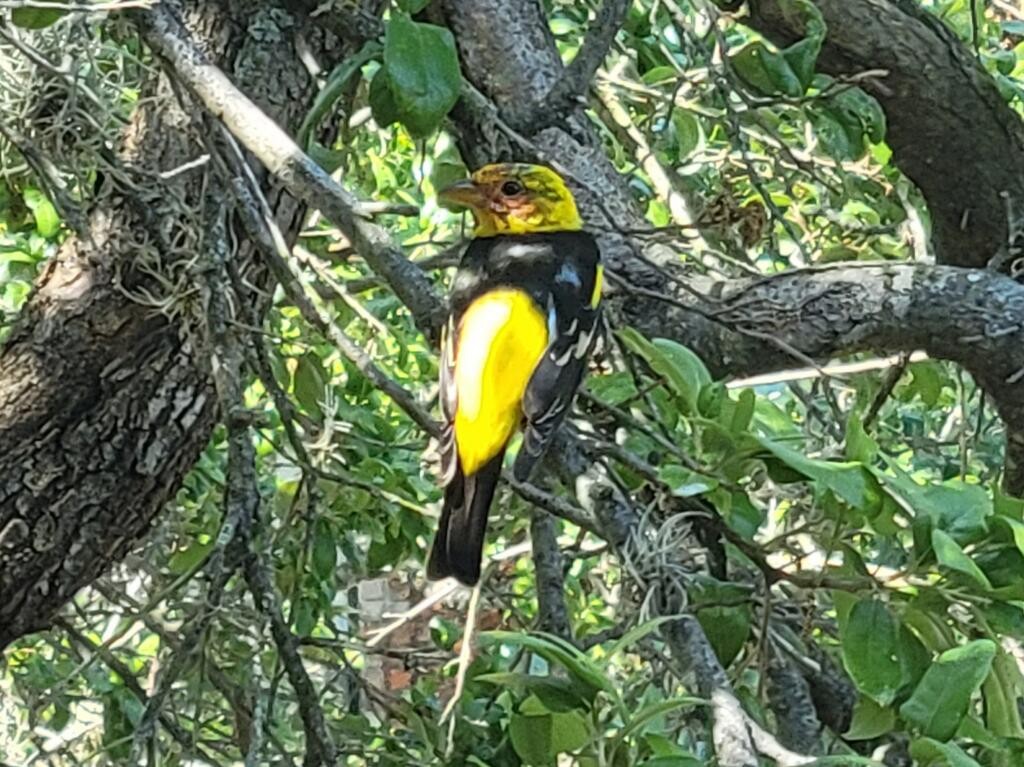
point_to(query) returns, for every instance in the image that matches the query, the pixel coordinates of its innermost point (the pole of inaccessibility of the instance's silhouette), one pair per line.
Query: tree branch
(971, 317)
(320, 747)
(552, 615)
(571, 87)
(950, 130)
(295, 170)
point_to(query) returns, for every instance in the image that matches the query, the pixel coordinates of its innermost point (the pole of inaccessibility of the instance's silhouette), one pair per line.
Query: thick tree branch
(950, 130)
(972, 317)
(320, 749)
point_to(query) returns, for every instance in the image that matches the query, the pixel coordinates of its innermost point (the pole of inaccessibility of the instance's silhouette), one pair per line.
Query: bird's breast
(502, 336)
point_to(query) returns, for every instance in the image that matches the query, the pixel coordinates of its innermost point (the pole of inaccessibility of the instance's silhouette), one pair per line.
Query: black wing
(573, 307)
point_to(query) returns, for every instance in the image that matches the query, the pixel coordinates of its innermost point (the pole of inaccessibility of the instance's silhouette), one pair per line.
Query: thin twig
(465, 659)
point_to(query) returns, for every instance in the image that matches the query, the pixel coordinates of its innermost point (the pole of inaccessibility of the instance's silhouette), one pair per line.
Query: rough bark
(106, 403)
(548, 563)
(950, 130)
(971, 317)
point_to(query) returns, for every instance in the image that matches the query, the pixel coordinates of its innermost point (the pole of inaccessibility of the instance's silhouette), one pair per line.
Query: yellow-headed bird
(524, 317)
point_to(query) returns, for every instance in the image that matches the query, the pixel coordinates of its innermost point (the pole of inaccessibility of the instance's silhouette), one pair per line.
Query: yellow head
(515, 198)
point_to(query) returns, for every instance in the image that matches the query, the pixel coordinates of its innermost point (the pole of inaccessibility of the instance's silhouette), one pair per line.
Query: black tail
(459, 541)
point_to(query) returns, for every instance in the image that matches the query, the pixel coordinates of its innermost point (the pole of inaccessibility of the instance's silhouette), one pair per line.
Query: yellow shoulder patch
(595, 297)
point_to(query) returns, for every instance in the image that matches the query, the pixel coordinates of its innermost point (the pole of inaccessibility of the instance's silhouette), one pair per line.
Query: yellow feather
(503, 336)
(595, 297)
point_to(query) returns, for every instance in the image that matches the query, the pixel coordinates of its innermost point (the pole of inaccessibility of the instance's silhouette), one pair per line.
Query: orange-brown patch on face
(521, 205)
(514, 198)
(504, 205)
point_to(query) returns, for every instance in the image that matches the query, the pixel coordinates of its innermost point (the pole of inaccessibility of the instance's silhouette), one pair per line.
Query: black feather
(552, 388)
(459, 541)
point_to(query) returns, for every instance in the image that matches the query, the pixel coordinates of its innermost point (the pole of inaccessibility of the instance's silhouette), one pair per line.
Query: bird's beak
(463, 194)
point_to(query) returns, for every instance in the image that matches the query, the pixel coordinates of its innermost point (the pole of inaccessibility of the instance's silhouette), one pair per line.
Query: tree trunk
(106, 402)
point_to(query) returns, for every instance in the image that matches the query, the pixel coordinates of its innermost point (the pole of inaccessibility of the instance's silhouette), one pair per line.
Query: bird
(524, 315)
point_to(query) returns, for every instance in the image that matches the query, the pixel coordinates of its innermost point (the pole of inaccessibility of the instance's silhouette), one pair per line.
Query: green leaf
(949, 554)
(931, 753)
(188, 558)
(309, 384)
(423, 75)
(333, 88)
(859, 445)
(926, 382)
(36, 18)
(45, 215)
(555, 650)
(686, 129)
(633, 636)
(941, 698)
(117, 726)
(683, 482)
(803, 54)
(612, 389)
(955, 507)
(570, 731)
(638, 719)
(328, 159)
(859, 113)
(1001, 690)
(914, 659)
(742, 411)
(766, 71)
(848, 481)
(382, 100)
(416, 723)
(662, 75)
(1015, 530)
(801, 57)
(1006, 505)
(305, 616)
(869, 720)
(325, 552)
(931, 625)
(1005, 618)
(727, 628)
(838, 138)
(683, 371)
(16, 257)
(532, 738)
(870, 642)
(972, 729)
(556, 695)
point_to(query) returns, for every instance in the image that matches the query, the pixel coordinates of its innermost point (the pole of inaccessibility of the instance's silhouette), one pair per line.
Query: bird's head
(515, 198)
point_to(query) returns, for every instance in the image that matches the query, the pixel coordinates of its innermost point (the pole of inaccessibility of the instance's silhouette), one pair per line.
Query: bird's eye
(511, 188)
